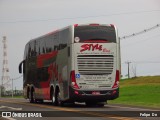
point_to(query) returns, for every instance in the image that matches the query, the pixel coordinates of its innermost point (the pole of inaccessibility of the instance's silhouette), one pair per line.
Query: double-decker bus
(79, 63)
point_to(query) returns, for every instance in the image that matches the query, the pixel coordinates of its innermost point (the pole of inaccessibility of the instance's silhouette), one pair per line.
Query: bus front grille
(95, 64)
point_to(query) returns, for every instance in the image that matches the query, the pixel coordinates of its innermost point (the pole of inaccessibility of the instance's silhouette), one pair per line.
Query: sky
(22, 20)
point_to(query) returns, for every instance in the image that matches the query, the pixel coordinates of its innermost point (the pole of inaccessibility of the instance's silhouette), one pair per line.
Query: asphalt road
(21, 109)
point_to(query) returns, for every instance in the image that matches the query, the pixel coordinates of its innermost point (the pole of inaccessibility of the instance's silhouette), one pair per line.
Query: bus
(79, 63)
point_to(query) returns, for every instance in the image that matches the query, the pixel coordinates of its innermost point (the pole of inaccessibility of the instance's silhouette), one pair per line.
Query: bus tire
(31, 100)
(34, 97)
(53, 97)
(59, 101)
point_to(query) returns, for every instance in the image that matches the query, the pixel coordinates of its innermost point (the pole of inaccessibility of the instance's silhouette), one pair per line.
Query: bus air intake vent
(95, 64)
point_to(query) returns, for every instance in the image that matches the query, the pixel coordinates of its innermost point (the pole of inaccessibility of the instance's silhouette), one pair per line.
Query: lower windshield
(95, 33)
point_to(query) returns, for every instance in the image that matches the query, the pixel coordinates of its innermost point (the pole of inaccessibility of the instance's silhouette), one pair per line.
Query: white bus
(79, 63)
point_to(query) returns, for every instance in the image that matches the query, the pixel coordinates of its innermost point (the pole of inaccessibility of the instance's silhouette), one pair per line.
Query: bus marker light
(76, 92)
(112, 25)
(116, 83)
(76, 39)
(75, 25)
(114, 92)
(73, 79)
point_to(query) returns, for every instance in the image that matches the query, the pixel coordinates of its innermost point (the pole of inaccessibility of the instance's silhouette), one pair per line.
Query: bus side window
(37, 47)
(64, 36)
(39, 74)
(24, 65)
(32, 49)
(26, 52)
(56, 41)
(29, 50)
(42, 74)
(42, 45)
(49, 44)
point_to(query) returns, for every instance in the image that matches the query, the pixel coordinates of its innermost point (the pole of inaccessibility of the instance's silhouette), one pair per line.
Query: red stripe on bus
(43, 57)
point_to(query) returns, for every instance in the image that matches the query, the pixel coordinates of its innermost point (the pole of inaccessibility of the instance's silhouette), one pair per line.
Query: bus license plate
(95, 93)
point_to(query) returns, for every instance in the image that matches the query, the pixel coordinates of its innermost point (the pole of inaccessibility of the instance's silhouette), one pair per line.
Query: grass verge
(142, 91)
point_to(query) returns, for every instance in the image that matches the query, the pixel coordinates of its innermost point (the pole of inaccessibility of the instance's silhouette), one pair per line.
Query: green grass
(141, 91)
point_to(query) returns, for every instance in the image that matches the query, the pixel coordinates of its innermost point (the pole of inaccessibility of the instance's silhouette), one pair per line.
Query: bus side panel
(45, 74)
(62, 62)
(30, 74)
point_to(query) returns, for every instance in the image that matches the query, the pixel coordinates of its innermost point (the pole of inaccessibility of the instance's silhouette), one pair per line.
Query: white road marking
(10, 118)
(133, 108)
(12, 108)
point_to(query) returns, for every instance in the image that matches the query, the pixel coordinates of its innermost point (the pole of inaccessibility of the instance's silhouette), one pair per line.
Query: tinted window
(42, 46)
(26, 52)
(56, 41)
(49, 43)
(37, 47)
(42, 74)
(102, 33)
(64, 36)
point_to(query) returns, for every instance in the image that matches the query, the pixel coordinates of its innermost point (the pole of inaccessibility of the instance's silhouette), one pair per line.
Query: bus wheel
(53, 99)
(34, 97)
(59, 101)
(31, 100)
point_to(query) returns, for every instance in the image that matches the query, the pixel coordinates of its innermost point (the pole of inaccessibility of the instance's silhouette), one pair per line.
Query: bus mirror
(20, 66)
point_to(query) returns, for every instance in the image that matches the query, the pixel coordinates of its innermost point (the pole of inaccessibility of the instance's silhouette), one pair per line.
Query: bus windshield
(95, 34)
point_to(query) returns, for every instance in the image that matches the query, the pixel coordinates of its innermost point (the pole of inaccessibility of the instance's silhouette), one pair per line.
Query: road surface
(21, 109)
